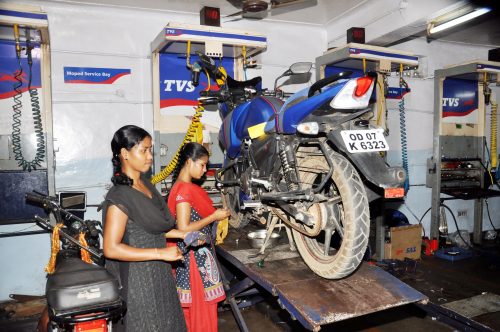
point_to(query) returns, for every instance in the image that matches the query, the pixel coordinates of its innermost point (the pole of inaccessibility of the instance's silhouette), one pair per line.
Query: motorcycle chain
(300, 227)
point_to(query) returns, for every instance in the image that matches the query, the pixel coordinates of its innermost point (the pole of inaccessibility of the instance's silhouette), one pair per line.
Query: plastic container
(453, 253)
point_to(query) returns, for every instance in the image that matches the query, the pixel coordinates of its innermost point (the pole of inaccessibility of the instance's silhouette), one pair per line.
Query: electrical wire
(489, 173)
(456, 225)
(489, 217)
(415, 216)
(422, 218)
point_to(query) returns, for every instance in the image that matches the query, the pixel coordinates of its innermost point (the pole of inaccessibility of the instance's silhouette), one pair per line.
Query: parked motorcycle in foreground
(80, 296)
(312, 162)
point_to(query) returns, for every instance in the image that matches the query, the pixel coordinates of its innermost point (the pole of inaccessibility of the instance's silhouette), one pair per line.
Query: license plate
(370, 140)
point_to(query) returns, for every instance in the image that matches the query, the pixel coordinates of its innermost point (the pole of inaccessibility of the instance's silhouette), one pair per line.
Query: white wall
(86, 116)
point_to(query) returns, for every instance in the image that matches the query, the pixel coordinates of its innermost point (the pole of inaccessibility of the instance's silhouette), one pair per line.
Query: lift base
(312, 300)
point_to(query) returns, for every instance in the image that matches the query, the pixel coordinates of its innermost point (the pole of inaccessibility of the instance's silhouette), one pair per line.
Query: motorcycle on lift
(311, 161)
(80, 296)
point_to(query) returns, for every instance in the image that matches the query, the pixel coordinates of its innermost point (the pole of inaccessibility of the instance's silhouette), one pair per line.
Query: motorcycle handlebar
(45, 200)
(211, 93)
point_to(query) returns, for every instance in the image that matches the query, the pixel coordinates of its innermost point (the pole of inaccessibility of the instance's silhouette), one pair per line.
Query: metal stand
(460, 143)
(312, 300)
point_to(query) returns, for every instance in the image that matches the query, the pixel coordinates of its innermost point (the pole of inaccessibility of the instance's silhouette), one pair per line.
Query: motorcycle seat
(234, 84)
(79, 285)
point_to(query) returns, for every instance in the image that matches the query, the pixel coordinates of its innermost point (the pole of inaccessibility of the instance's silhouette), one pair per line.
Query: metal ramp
(312, 300)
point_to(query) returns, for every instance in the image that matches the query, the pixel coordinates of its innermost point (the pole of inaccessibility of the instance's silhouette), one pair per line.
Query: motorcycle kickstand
(290, 239)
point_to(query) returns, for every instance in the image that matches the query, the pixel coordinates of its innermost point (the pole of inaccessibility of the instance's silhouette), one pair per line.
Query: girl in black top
(136, 222)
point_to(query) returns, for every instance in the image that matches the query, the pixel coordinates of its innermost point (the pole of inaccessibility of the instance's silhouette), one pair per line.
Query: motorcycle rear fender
(371, 165)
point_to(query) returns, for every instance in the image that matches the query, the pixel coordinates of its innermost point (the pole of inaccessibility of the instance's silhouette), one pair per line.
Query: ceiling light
(459, 20)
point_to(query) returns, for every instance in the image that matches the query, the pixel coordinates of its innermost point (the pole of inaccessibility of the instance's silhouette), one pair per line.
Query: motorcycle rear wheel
(353, 211)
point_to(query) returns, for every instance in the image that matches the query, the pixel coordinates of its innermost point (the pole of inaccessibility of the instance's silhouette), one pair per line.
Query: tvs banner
(10, 73)
(460, 101)
(93, 75)
(178, 95)
(176, 88)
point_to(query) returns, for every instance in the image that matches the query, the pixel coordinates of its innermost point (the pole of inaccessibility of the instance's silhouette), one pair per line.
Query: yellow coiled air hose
(493, 135)
(193, 130)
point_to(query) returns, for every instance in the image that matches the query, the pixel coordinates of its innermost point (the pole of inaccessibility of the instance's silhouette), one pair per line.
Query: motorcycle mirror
(295, 69)
(300, 68)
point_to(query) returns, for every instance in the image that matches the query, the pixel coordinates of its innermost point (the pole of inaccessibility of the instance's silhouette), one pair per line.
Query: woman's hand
(169, 254)
(220, 214)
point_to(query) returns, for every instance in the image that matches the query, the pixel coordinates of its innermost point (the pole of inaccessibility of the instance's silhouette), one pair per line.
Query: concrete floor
(441, 280)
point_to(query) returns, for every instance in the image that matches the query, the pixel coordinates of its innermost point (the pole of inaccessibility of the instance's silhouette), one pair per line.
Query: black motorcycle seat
(78, 285)
(234, 84)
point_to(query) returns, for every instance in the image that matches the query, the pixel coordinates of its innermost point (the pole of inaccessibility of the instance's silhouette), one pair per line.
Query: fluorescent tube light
(459, 20)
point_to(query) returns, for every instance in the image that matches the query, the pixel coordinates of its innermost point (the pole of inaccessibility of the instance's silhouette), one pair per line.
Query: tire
(353, 213)
(231, 200)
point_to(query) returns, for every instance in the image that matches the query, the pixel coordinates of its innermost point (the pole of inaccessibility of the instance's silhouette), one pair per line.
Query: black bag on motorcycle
(77, 286)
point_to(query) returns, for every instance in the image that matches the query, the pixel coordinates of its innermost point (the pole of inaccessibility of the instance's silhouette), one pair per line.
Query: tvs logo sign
(460, 101)
(453, 102)
(173, 32)
(178, 85)
(176, 88)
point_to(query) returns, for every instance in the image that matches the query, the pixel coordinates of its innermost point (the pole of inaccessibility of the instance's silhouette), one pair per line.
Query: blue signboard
(14, 71)
(460, 100)
(176, 88)
(396, 93)
(93, 75)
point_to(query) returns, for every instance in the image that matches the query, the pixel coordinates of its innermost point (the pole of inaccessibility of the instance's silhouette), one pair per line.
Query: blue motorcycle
(312, 161)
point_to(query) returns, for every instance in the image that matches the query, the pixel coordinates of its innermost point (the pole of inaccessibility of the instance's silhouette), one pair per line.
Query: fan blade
(255, 15)
(284, 6)
(235, 14)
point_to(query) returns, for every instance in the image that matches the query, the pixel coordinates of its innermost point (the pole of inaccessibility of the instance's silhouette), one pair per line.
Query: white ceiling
(483, 31)
(321, 14)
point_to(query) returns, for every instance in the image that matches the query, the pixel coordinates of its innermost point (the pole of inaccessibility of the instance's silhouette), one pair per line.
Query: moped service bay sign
(94, 75)
(370, 140)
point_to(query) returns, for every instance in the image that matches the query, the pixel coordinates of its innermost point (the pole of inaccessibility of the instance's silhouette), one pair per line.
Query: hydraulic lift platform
(312, 300)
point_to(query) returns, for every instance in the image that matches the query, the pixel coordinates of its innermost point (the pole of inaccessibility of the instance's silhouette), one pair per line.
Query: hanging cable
(195, 129)
(17, 108)
(402, 128)
(35, 109)
(489, 216)
(244, 56)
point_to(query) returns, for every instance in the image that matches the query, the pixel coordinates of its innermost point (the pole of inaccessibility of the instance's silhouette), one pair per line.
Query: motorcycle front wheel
(231, 199)
(339, 247)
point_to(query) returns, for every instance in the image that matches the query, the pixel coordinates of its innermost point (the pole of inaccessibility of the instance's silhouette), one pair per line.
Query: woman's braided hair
(124, 138)
(191, 150)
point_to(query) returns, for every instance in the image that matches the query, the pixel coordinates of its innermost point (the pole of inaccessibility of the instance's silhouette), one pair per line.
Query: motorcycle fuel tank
(235, 126)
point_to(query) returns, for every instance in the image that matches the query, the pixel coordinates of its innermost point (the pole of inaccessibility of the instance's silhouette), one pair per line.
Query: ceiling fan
(259, 9)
